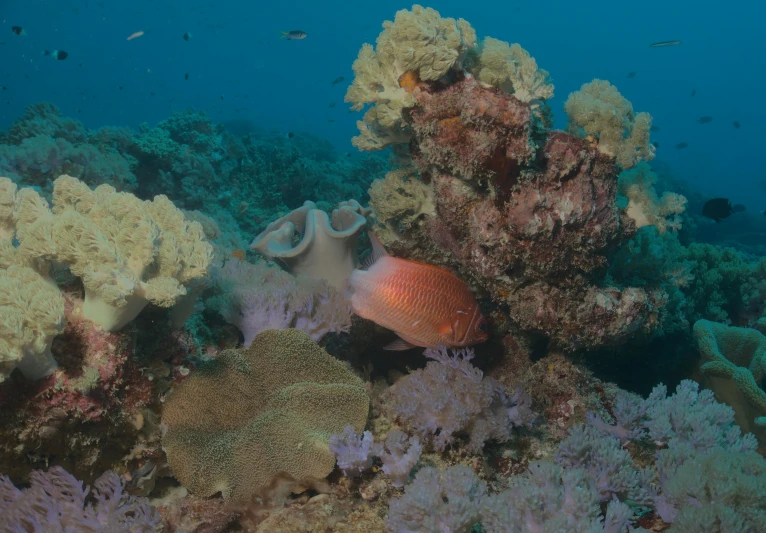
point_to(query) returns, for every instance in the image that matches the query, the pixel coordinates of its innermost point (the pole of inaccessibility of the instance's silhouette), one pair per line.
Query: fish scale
(424, 304)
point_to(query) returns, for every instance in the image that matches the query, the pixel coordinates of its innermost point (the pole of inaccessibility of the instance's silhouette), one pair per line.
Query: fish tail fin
(284, 35)
(378, 251)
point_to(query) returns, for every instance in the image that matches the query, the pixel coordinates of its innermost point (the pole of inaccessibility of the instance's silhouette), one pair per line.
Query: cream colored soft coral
(128, 252)
(419, 45)
(644, 206)
(31, 315)
(511, 69)
(598, 109)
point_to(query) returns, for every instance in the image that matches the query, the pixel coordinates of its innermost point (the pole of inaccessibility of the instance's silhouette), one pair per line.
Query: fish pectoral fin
(399, 345)
(446, 331)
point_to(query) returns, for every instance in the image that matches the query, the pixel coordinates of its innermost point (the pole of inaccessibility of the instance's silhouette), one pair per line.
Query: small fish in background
(135, 35)
(705, 120)
(59, 55)
(681, 146)
(719, 208)
(332, 104)
(5, 88)
(18, 30)
(348, 154)
(694, 93)
(330, 121)
(655, 144)
(121, 87)
(662, 44)
(654, 128)
(423, 304)
(763, 212)
(290, 135)
(294, 35)
(631, 75)
(337, 80)
(187, 36)
(736, 124)
(186, 76)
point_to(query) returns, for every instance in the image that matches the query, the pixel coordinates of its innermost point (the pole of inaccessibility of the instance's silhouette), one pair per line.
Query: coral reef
(279, 400)
(326, 245)
(644, 206)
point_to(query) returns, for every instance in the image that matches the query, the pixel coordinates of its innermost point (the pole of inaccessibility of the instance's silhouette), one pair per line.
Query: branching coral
(127, 252)
(511, 69)
(599, 110)
(56, 501)
(644, 206)
(418, 46)
(325, 247)
(257, 297)
(450, 396)
(279, 401)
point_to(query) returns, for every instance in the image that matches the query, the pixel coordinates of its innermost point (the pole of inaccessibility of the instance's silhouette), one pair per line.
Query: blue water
(239, 68)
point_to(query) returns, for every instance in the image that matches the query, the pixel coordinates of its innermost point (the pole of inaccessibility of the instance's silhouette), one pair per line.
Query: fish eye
(483, 325)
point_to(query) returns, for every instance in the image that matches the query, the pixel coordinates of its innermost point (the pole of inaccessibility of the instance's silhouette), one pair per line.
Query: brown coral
(261, 415)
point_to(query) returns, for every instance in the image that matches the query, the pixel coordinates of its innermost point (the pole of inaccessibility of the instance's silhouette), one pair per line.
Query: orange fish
(425, 305)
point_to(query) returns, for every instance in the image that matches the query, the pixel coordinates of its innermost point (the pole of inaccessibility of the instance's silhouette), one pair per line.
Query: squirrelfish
(425, 305)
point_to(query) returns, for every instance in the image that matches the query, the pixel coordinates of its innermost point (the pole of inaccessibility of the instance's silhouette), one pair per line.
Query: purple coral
(450, 396)
(57, 501)
(399, 455)
(354, 453)
(550, 498)
(436, 500)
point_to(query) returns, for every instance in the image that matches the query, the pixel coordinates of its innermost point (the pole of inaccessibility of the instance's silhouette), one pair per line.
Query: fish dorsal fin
(399, 345)
(377, 251)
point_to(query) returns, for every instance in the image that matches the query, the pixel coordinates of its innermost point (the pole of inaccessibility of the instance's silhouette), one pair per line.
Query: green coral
(599, 110)
(737, 355)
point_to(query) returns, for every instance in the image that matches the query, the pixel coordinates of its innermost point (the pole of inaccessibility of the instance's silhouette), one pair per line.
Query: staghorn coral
(257, 297)
(511, 69)
(644, 206)
(418, 46)
(279, 400)
(325, 247)
(128, 252)
(56, 501)
(599, 110)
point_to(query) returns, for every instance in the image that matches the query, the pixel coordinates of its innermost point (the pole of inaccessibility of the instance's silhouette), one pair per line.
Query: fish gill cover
(186, 191)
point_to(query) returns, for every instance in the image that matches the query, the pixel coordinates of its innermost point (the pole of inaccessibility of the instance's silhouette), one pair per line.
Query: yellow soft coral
(399, 201)
(598, 109)
(418, 46)
(31, 314)
(644, 206)
(511, 69)
(128, 252)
